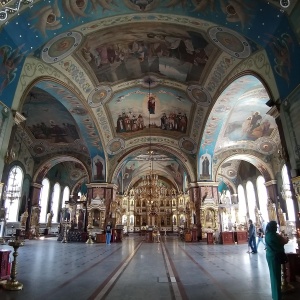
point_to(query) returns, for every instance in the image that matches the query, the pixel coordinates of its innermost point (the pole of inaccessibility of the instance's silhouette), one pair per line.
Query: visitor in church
(252, 237)
(260, 237)
(274, 243)
(108, 233)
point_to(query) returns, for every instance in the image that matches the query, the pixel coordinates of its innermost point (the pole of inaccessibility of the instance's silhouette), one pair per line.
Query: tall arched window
(13, 193)
(55, 201)
(287, 194)
(251, 200)
(44, 197)
(242, 204)
(66, 196)
(262, 198)
(228, 196)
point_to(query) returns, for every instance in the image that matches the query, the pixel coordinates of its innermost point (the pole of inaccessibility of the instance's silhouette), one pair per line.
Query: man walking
(252, 237)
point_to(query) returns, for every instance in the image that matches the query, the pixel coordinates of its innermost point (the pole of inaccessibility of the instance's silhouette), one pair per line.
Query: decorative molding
(271, 182)
(18, 118)
(273, 112)
(8, 11)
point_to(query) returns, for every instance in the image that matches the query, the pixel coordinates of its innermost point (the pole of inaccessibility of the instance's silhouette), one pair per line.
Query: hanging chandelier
(149, 187)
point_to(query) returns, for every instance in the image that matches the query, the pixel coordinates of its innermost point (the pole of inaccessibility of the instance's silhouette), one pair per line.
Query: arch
(133, 152)
(162, 174)
(248, 156)
(78, 110)
(223, 127)
(51, 162)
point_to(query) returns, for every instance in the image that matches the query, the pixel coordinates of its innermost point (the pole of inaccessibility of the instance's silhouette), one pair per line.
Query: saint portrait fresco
(161, 110)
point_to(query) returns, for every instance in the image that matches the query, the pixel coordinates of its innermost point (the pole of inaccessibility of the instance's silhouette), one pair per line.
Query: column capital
(271, 182)
(102, 185)
(273, 112)
(203, 183)
(36, 185)
(19, 118)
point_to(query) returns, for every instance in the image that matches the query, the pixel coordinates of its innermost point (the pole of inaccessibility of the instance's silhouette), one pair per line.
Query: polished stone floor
(135, 269)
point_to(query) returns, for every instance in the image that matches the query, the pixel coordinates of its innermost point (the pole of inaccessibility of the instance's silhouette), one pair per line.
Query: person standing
(274, 243)
(108, 229)
(260, 237)
(252, 237)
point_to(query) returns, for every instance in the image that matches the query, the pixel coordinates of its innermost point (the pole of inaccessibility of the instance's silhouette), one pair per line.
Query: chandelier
(149, 187)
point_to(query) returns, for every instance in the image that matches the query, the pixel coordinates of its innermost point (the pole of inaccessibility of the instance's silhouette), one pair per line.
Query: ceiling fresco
(239, 115)
(59, 128)
(197, 56)
(136, 51)
(156, 112)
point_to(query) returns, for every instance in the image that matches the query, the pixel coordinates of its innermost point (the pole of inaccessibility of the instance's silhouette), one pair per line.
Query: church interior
(176, 121)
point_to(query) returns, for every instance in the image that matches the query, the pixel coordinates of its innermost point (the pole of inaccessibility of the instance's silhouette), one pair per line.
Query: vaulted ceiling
(102, 82)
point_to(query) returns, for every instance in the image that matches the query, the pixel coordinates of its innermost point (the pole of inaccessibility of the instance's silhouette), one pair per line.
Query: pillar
(194, 191)
(271, 187)
(234, 199)
(281, 117)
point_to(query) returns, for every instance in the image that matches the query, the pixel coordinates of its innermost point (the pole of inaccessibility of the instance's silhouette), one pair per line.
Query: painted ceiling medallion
(75, 174)
(60, 47)
(39, 149)
(152, 80)
(230, 42)
(99, 96)
(199, 94)
(115, 146)
(144, 6)
(231, 173)
(266, 146)
(187, 145)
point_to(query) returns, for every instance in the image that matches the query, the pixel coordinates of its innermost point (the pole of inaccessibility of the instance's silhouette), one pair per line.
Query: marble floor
(134, 269)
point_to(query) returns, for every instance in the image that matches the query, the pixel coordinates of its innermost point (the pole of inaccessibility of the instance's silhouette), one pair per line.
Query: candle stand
(89, 241)
(66, 228)
(13, 284)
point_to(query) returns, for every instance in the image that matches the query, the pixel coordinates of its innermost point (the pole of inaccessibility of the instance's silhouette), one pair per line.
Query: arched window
(228, 196)
(66, 196)
(55, 201)
(251, 200)
(13, 193)
(287, 195)
(242, 204)
(44, 198)
(262, 198)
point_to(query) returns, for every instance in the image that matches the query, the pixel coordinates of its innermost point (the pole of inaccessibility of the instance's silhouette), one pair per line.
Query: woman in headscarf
(274, 244)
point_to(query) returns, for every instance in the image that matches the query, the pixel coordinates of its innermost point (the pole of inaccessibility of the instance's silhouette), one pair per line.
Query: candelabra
(65, 231)
(12, 284)
(89, 241)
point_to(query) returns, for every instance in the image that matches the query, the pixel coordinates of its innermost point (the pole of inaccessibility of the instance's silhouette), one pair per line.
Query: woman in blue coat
(274, 244)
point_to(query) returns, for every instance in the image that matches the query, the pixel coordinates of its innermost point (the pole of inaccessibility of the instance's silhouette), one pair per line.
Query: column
(234, 199)
(271, 187)
(283, 120)
(194, 191)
